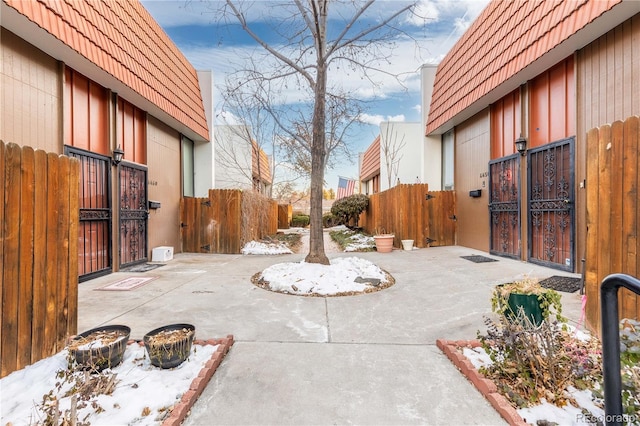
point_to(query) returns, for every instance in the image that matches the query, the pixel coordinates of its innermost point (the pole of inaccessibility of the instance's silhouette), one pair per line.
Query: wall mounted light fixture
(118, 155)
(521, 145)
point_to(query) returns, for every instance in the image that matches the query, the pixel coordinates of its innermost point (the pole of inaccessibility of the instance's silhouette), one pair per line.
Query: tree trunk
(318, 151)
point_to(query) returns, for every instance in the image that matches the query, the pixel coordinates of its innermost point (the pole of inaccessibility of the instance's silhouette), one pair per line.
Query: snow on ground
(256, 247)
(139, 385)
(312, 278)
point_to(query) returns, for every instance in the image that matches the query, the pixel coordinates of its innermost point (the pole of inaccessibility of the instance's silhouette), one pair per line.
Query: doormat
(479, 259)
(142, 267)
(127, 284)
(559, 283)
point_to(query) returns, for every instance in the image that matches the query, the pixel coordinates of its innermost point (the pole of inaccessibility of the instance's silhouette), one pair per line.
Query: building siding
(165, 184)
(472, 154)
(30, 96)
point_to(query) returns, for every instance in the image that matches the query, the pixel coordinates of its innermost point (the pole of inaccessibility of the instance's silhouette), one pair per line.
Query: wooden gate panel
(504, 206)
(551, 201)
(613, 213)
(133, 214)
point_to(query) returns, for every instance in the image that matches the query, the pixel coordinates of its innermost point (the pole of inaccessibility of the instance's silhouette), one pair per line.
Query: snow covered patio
(366, 359)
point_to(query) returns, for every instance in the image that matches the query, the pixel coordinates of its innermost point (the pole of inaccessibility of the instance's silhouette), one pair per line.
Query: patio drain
(479, 259)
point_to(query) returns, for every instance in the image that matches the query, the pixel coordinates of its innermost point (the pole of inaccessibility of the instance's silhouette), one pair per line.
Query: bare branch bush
(391, 145)
(531, 363)
(256, 213)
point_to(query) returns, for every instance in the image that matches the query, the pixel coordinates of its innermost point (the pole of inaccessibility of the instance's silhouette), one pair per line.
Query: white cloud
(378, 118)
(417, 107)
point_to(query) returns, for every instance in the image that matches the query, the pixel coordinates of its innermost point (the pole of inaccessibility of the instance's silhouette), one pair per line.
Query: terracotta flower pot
(384, 242)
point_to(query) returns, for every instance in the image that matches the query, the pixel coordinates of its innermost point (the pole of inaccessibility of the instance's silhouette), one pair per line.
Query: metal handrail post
(611, 343)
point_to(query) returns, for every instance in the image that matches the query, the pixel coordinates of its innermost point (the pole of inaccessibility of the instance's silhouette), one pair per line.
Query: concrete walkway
(367, 359)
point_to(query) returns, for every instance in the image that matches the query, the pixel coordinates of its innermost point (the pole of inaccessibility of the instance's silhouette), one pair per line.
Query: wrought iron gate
(551, 205)
(133, 214)
(94, 229)
(504, 206)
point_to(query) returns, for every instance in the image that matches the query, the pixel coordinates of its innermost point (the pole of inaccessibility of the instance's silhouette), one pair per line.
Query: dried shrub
(531, 363)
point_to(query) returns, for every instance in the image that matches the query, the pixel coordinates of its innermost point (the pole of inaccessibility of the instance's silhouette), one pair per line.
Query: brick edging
(485, 386)
(180, 411)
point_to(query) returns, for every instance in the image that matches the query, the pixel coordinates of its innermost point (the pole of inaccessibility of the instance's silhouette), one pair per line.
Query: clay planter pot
(384, 242)
(100, 348)
(170, 345)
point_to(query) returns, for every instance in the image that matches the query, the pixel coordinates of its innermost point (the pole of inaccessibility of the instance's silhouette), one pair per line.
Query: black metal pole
(611, 344)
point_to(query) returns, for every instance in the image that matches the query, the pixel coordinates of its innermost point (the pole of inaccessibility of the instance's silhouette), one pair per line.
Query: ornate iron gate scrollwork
(504, 206)
(94, 230)
(133, 214)
(551, 201)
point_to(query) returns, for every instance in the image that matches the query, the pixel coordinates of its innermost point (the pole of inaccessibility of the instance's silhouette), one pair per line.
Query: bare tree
(248, 123)
(391, 145)
(303, 60)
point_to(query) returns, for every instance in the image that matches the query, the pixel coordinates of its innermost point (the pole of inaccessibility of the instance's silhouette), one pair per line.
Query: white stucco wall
(233, 158)
(408, 136)
(431, 171)
(204, 153)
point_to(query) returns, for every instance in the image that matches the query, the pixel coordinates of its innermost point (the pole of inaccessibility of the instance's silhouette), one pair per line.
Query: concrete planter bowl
(100, 348)
(170, 345)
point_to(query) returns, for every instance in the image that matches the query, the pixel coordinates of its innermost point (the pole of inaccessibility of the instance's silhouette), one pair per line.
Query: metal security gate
(94, 229)
(551, 205)
(133, 213)
(504, 206)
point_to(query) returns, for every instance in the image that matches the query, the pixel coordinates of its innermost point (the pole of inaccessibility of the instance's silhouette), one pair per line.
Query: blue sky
(210, 44)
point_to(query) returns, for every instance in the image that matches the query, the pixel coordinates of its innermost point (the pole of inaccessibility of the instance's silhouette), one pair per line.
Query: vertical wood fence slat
(591, 264)
(38, 251)
(50, 330)
(11, 260)
(406, 211)
(613, 213)
(2, 239)
(25, 284)
(72, 252)
(630, 209)
(39, 257)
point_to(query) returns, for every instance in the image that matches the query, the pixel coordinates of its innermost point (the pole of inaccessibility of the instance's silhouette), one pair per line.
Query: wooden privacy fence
(412, 212)
(613, 213)
(38, 253)
(226, 220)
(285, 213)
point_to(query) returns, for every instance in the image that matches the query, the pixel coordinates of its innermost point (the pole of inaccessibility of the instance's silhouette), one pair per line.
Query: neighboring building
(240, 163)
(552, 72)
(399, 141)
(369, 168)
(87, 78)
(402, 153)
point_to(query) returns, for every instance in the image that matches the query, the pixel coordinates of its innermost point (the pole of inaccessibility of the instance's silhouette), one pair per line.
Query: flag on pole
(345, 187)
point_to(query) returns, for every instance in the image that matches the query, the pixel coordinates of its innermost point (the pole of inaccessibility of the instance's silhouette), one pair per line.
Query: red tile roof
(122, 38)
(506, 37)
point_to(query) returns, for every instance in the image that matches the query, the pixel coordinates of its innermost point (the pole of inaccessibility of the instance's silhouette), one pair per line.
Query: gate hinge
(429, 240)
(429, 197)
(206, 248)
(206, 203)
